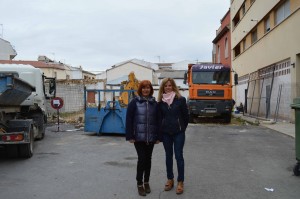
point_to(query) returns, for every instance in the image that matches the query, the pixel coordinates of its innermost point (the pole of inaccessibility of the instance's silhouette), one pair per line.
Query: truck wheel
(191, 119)
(41, 134)
(11, 151)
(26, 150)
(40, 121)
(195, 119)
(227, 118)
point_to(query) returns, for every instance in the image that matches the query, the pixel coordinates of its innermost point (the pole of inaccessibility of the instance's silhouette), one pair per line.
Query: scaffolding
(254, 102)
(269, 92)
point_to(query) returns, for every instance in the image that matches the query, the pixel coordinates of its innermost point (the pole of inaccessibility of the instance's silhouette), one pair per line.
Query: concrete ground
(284, 127)
(221, 162)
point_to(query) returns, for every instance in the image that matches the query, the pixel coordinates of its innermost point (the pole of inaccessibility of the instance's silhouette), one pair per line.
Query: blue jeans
(176, 141)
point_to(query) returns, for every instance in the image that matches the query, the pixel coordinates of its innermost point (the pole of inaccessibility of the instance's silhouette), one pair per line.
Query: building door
(245, 103)
(268, 100)
(91, 97)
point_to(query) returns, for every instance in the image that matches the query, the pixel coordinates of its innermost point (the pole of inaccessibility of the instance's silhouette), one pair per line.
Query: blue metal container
(13, 90)
(110, 119)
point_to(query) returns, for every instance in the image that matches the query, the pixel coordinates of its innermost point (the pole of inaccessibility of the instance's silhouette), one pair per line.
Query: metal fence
(270, 94)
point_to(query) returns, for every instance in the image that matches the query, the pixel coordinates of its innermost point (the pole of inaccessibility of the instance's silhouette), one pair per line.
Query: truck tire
(227, 118)
(40, 122)
(41, 134)
(26, 150)
(11, 151)
(191, 118)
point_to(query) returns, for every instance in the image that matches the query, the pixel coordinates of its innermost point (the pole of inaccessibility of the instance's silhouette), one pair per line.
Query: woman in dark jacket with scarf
(142, 130)
(174, 121)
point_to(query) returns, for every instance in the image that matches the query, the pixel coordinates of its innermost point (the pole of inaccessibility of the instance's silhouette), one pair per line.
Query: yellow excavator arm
(131, 84)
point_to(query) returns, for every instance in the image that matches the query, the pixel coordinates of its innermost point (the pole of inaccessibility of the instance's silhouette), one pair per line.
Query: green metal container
(296, 106)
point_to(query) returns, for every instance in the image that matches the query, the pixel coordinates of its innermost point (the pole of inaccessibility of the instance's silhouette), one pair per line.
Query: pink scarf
(168, 97)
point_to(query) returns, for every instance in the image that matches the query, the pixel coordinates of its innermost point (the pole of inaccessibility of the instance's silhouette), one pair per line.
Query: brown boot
(169, 185)
(179, 189)
(147, 187)
(141, 190)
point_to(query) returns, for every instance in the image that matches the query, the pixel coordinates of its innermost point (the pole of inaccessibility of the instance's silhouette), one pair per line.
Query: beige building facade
(265, 48)
(143, 70)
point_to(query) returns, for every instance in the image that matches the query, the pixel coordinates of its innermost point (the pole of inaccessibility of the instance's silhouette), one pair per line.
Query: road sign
(57, 103)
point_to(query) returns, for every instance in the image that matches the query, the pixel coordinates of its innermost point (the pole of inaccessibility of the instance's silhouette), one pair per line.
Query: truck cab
(210, 91)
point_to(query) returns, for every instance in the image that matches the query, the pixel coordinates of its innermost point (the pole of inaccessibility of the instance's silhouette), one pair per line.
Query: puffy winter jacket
(175, 117)
(142, 119)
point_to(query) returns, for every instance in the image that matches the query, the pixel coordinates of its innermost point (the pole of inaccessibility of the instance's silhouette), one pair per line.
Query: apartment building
(222, 42)
(265, 48)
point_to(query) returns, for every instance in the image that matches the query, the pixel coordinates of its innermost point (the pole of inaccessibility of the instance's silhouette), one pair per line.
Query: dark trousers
(144, 152)
(176, 141)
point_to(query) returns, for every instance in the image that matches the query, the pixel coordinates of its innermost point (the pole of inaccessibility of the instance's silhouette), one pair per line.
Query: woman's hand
(131, 141)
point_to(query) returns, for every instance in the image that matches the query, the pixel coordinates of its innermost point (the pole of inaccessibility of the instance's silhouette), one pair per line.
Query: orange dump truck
(210, 91)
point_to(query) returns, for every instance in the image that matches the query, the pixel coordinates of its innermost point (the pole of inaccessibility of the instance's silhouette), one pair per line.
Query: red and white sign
(57, 103)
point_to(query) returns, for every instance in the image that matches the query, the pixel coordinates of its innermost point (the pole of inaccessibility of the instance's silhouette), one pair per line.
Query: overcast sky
(97, 34)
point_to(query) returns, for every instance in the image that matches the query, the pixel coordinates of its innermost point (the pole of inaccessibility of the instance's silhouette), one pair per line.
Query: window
(243, 9)
(237, 50)
(236, 20)
(267, 24)
(211, 77)
(254, 36)
(282, 12)
(226, 48)
(91, 97)
(218, 57)
(244, 45)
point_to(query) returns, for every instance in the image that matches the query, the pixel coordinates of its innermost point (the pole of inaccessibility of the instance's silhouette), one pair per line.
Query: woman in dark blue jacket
(142, 130)
(174, 121)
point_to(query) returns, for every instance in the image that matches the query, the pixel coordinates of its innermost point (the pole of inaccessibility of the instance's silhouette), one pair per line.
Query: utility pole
(158, 58)
(53, 56)
(1, 30)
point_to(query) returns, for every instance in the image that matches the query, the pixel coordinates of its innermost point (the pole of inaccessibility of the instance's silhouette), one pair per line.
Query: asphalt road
(222, 161)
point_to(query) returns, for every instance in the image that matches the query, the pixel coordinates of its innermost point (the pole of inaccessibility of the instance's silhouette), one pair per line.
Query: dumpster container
(296, 106)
